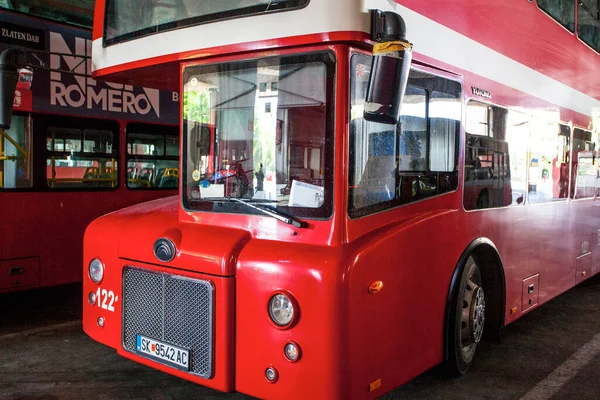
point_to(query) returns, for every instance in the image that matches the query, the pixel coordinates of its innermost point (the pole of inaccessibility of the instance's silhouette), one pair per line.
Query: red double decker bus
(75, 150)
(381, 216)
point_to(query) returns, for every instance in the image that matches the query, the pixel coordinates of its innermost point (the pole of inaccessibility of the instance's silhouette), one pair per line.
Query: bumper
(173, 306)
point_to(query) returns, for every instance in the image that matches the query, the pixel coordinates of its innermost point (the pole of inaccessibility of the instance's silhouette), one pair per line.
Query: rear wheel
(467, 325)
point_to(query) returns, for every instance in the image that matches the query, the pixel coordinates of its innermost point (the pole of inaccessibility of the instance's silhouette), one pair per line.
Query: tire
(467, 319)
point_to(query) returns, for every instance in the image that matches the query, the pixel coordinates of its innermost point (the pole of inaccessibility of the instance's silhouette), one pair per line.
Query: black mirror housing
(387, 84)
(10, 62)
(389, 70)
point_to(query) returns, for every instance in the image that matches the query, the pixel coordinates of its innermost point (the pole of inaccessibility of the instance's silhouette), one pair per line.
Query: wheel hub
(478, 314)
(473, 314)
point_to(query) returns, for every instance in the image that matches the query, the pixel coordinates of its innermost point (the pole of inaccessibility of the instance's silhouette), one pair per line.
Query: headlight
(96, 270)
(281, 310)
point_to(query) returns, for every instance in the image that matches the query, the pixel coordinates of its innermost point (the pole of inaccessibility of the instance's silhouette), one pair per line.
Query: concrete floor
(45, 355)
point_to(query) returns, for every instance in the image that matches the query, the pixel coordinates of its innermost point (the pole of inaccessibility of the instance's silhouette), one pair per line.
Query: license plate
(162, 352)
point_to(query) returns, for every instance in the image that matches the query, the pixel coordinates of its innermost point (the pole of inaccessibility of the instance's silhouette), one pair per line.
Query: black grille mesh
(172, 309)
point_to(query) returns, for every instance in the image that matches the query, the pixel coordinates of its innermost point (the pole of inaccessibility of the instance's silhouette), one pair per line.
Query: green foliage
(196, 107)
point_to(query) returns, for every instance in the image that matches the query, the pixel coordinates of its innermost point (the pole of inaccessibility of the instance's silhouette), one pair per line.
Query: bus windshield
(128, 20)
(260, 131)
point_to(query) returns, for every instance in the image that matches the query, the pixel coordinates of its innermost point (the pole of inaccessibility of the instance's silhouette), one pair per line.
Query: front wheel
(468, 320)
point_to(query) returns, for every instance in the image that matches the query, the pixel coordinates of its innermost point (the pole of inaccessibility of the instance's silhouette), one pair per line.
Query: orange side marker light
(375, 385)
(375, 287)
(513, 310)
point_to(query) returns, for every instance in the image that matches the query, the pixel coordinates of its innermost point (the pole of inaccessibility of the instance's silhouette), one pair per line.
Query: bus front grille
(172, 309)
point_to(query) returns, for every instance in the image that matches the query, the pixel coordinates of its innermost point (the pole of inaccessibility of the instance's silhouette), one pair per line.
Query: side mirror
(389, 70)
(10, 62)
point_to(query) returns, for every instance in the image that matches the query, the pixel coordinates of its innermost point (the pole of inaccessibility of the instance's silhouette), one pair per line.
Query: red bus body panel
(163, 211)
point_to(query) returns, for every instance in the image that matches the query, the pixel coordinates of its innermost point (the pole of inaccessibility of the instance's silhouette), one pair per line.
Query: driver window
(392, 165)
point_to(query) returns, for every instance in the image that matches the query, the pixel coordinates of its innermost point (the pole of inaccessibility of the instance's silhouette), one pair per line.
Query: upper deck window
(588, 27)
(126, 20)
(64, 11)
(563, 11)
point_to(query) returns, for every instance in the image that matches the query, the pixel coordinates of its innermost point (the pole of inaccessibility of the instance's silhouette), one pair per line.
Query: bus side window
(495, 156)
(81, 158)
(412, 161)
(583, 171)
(548, 162)
(152, 156)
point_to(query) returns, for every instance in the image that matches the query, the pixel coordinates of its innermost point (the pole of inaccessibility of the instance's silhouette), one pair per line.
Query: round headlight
(96, 270)
(281, 309)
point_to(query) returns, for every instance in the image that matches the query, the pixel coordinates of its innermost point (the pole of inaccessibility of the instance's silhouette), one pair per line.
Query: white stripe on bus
(429, 37)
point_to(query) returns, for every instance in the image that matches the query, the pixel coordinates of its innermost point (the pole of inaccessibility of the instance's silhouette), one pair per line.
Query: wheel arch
(493, 277)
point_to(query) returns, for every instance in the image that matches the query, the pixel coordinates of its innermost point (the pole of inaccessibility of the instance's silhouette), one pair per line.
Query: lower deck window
(584, 165)
(512, 158)
(261, 131)
(80, 158)
(152, 156)
(391, 165)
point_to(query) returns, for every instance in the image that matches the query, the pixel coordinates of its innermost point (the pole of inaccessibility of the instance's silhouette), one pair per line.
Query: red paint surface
(98, 28)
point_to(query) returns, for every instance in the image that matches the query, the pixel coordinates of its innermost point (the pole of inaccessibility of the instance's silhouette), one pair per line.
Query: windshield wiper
(275, 214)
(271, 212)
